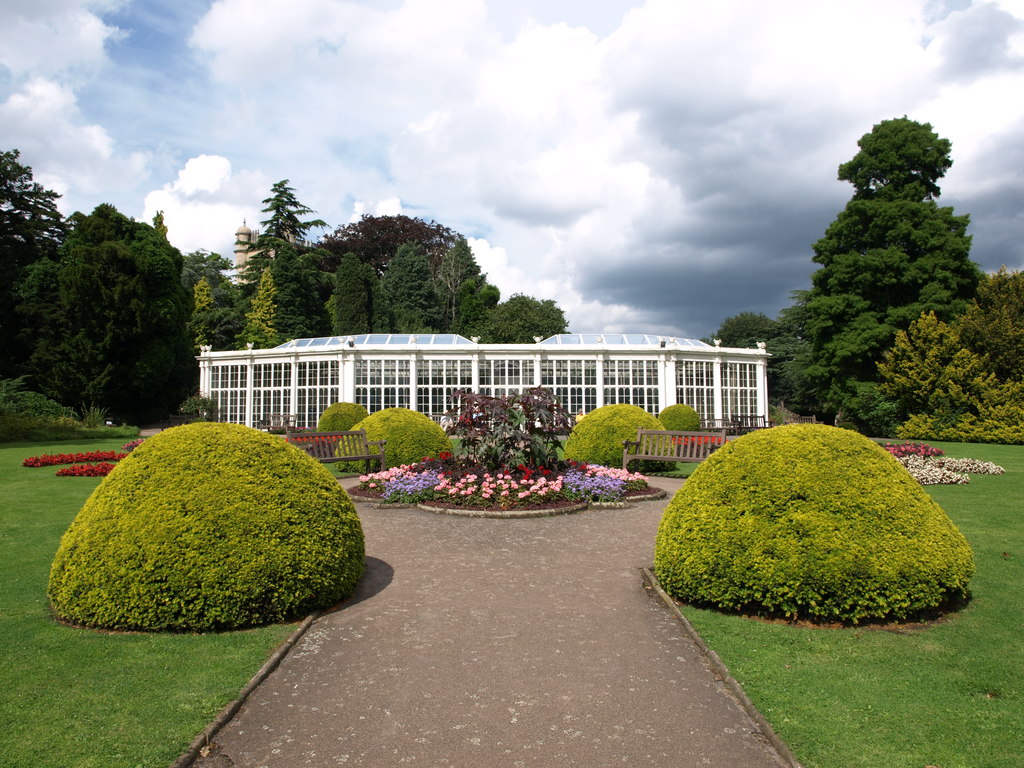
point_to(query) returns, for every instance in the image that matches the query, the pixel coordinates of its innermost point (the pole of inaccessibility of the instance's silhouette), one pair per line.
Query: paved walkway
(483, 643)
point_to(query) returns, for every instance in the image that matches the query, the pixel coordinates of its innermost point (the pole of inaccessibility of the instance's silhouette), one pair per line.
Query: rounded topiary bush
(205, 527)
(810, 521)
(597, 438)
(680, 418)
(410, 436)
(340, 417)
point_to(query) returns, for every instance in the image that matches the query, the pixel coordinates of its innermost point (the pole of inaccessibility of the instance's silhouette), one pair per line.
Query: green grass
(75, 697)
(948, 694)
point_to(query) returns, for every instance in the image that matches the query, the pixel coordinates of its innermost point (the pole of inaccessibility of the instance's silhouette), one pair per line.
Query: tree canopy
(521, 319)
(117, 331)
(31, 228)
(890, 255)
(963, 380)
(376, 239)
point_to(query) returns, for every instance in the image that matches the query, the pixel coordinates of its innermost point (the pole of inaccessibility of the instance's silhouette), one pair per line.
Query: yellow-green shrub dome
(340, 417)
(410, 435)
(207, 527)
(814, 522)
(680, 418)
(597, 438)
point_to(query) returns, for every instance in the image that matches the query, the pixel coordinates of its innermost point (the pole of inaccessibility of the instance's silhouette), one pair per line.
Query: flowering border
(536, 490)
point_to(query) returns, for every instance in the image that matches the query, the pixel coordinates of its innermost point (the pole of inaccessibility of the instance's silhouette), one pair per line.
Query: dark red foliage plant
(510, 431)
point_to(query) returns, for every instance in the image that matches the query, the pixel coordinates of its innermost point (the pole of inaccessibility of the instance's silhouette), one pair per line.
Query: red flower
(86, 470)
(50, 460)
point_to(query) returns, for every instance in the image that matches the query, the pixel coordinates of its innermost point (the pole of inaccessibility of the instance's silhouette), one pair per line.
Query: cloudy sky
(652, 165)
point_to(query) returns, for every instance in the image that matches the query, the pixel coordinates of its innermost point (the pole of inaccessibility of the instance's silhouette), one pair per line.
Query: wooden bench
(662, 445)
(738, 425)
(276, 422)
(329, 447)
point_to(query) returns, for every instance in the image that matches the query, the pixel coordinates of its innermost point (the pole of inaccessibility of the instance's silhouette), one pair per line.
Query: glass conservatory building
(585, 371)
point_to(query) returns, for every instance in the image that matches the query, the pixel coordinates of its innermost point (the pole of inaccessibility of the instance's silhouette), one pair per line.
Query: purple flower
(410, 487)
(592, 487)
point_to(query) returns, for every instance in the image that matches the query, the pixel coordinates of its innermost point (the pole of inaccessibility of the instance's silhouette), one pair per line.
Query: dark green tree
(284, 222)
(31, 228)
(477, 298)
(214, 267)
(890, 255)
(355, 287)
(408, 292)
(522, 318)
(118, 334)
(458, 267)
(221, 321)
(283, 227)
(301, 312)
(745, 329)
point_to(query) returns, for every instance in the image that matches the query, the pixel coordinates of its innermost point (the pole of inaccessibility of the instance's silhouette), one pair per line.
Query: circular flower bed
(456, 484)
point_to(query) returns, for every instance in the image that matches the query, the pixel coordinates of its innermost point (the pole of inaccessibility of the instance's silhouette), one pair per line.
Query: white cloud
(42, 119)
(207, 202)
(635, 162)
(46, 37)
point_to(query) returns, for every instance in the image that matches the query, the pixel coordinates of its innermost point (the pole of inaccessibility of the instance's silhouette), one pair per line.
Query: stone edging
(188, 757)
(510, 514)
(722, 672)
(654, 494)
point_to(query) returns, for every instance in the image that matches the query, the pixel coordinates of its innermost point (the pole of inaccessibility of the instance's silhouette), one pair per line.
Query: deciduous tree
(376, 240)
(890, 255)
(522, 318)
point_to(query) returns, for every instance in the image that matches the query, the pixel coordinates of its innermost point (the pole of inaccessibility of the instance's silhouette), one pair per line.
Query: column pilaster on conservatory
(293, 396)
(762, 384)
(414, 361)
(347, 378)
(717, 371)
(666, 382)
(600, 381)
(205, 370)
(249, 363)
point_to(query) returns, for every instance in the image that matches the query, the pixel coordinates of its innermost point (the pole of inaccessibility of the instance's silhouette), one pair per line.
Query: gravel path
(484, 643)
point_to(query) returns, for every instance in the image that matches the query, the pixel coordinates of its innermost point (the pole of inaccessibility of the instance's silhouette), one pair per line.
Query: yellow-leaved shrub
(410, 436)
(809, 521)
(597, 438)
(208, 527)
(339, 417)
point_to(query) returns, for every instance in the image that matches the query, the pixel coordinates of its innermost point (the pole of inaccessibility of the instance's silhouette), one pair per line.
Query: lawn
(75, 697)
(946, 695)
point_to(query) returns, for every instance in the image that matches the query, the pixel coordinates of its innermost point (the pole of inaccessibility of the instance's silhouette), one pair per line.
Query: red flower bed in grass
(51, 460)
(86, 470)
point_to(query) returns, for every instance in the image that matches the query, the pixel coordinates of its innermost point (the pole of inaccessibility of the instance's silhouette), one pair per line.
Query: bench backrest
(332, 445)
(680, 446)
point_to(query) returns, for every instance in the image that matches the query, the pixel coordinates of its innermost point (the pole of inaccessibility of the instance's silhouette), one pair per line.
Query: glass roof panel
(634, 339)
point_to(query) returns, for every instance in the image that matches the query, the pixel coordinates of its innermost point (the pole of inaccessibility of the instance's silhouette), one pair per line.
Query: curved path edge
(187, 758)
(722, 671)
